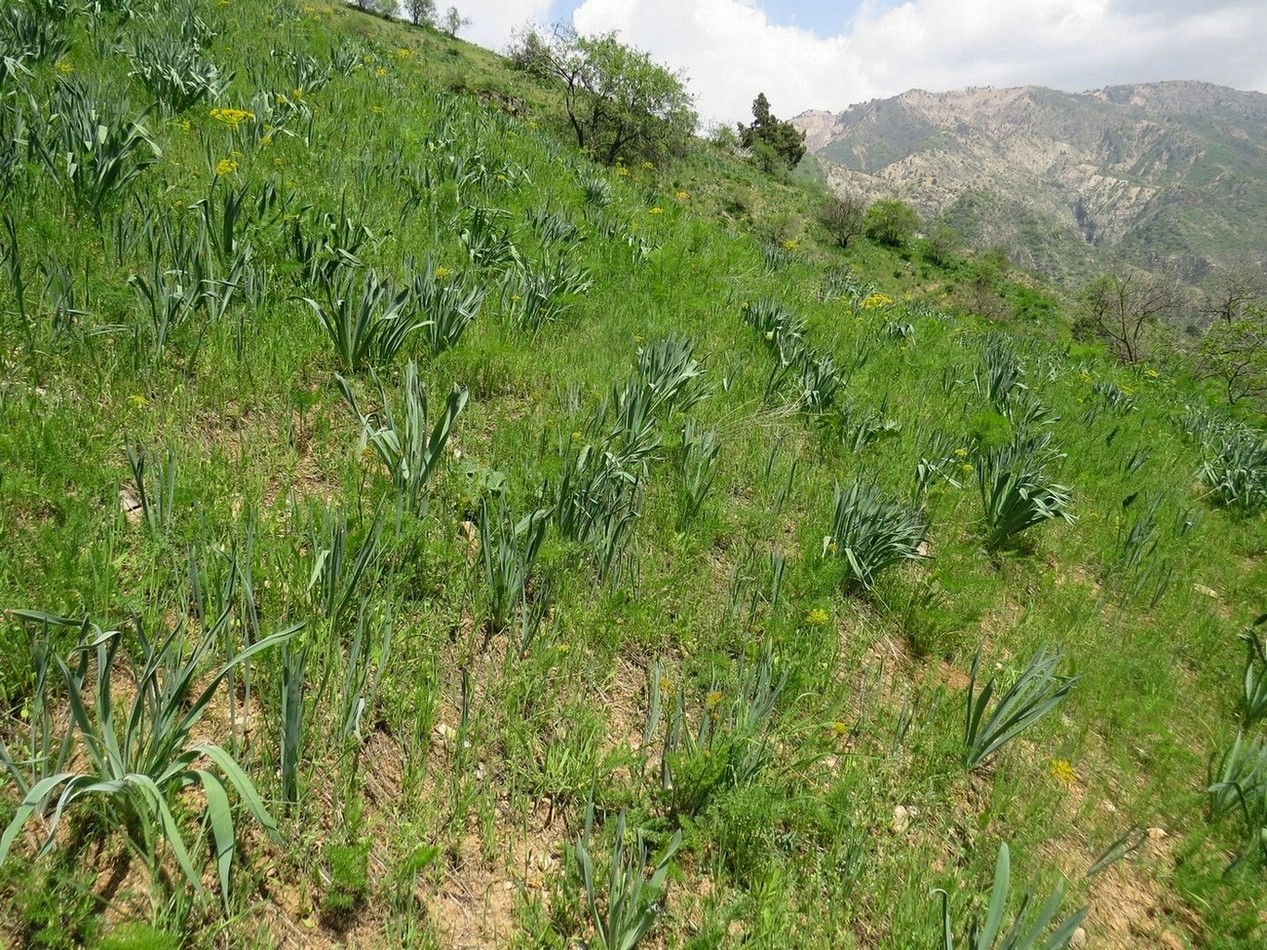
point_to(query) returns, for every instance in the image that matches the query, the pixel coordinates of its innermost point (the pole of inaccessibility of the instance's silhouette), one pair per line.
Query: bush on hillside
(892, 222)
(620, 104)
(774, 143)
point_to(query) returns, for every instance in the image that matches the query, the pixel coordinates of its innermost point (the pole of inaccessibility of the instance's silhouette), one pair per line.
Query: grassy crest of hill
(415, 533)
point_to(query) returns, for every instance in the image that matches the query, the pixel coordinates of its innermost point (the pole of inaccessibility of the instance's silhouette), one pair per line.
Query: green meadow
(416, 533)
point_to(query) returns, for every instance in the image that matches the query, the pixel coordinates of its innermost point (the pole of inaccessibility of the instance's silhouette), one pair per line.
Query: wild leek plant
(359, 689)
(730, 745)
(1255, 681)
(338, 577)
(510, 551)
(598, 501)
(1235, 468)
(596, 191)
(1036, 692)
(1016, 491)
(537, 293)
(819, 381)
(135, 767)
(1239, 776)
(155, 490)
(1239, 784)
(292, 720)
(999, 373)
(1037, 931)
(673, 375)
(169, 297)
(45, 748)
(781, 329)
(632, 900)
(32, 32)
(408, 450)
(700, 451)
(367, 320)
(94, 147)
(323, 244)
(870, 532)
(487, 240)
(448, 303)
(1138, 564)
(175, 73)
(939, 457)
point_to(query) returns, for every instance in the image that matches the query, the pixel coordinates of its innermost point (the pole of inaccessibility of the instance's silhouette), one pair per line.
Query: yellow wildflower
(876, 300)
(816, 617)
(839, 728)
(961, 453)
(657, 211)
(442, 272)
(1062, 771)
(712, 699)
(231, 117)
(380, 72)
(648, 166)
(622, 171)
(138, 401)
(791, 244)
(65, 68)
(683, 196)
(226, 166)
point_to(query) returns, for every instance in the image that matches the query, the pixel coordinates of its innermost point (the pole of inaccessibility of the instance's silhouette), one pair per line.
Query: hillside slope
(418, 535)
(1162, 172)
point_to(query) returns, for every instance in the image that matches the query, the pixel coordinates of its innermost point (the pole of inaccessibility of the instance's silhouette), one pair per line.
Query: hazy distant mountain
(1163, 172)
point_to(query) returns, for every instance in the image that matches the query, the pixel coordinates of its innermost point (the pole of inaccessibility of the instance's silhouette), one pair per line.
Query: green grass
(693, 661)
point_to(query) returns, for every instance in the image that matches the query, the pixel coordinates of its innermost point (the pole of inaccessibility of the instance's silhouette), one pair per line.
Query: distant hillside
(1171, 172)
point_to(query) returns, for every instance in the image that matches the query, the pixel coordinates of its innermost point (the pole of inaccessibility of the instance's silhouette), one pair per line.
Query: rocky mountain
(1167, 174)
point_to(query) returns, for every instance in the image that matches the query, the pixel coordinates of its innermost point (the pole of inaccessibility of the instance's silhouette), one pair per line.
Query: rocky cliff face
(1167, 173)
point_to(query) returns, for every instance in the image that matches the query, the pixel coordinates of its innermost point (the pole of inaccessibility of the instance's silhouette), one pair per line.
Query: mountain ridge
(1163, 174)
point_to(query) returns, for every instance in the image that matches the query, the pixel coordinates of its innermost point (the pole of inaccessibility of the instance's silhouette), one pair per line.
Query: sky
(820, 54)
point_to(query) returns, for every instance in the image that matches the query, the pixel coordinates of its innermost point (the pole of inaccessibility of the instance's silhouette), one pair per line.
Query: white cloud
(730, 49)
(493, 21)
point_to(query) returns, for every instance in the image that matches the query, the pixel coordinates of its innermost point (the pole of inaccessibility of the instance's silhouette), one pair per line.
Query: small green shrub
(348, 887)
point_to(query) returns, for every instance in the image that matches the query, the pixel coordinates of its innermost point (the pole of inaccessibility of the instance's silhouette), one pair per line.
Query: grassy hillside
(417, 534)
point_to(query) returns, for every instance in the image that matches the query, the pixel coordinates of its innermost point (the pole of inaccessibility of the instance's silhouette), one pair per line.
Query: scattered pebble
(902, 818)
